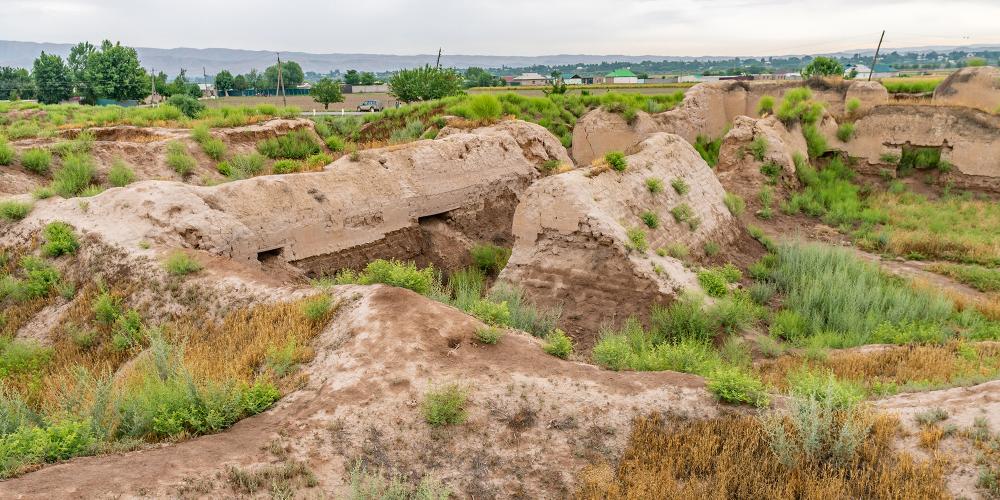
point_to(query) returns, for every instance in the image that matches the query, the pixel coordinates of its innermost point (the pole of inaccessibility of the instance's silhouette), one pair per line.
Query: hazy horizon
(688, 28)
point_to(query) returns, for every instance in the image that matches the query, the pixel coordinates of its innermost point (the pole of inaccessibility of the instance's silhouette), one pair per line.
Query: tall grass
(74, 176)
(295, 145)
(830, 291)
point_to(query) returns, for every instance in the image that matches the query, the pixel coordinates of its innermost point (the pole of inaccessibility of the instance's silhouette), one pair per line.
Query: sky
(509, 27)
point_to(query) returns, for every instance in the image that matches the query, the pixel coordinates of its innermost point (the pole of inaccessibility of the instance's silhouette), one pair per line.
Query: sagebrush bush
(558, 344)
(37, 160)
(616, 160)
(59, 239)
(181, 264)
(120, 174)
(446, 405)
(74, 176)
(295, 145)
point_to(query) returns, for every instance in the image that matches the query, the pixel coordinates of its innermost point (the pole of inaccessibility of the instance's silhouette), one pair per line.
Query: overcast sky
(509, 27)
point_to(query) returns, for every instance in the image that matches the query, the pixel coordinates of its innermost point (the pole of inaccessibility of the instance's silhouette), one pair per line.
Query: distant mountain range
(170, 61)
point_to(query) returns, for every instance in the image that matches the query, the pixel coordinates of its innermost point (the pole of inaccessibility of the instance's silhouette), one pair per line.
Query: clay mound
(393, 202)
(708, 109)
(977, 87)
(536, 142)
(532, 416)
(740, 172)
(571, 246)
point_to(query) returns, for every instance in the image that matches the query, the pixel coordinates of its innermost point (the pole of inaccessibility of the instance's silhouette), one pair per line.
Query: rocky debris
(975, 87)
(708, 109)
(572, 248)
(349, 214)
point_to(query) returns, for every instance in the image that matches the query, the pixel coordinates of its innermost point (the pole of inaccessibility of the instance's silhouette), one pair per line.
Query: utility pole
(437, 65)
(281, 84)
(152, 85)
(875, 59)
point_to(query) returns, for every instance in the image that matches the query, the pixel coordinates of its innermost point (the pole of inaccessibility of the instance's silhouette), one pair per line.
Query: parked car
(371, 105)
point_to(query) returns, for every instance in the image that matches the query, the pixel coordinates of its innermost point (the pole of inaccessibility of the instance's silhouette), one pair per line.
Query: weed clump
(489, 335)
(650, 219)
(680, 186)
(735, 204)
(558, 344)
(616, 160)
(845, 132)
(636, 240)
(654, 185)
(59, 239)
(14, 210)
(120, 174)
(37, 160)
(181, 264)
(490, 258)
(295, 145)
(179, 159)
(446, 405)
(393, 273)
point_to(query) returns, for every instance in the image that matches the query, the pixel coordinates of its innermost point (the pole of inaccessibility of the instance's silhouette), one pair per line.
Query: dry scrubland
(828, 316)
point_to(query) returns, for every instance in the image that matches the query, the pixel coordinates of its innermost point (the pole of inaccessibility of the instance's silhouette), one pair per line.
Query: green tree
(352, 77)
(367, 78)
(823, 66)
(16, 83)
(479, 77)
(426, 83)
(76, 62)
(113, 72)
(291, 75)
(52, 82)
(223, 82)
(240, 83)
(326, 91)
(253, 79)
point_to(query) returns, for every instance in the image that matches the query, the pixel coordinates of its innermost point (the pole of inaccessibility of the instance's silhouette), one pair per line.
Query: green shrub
(616, 160)
(708, 149)
(335, 143)
(37, 160)
(120, 174)
(484, 107)
(713, 282)
(200, 133)
(14, 210)
(179, 159)
(214, 148)
(412, 131)
(650, 218)
(285, 166)
(7, 153)
(824, 386)
(684, 319)
(181, 264)
(127, 330)
(558, 344)
(762, 292)
(107, 308)
(815, 142)
(317, 308)
(318, 160)
(853, 105)
(636, 240)
(675, 250)
(712, 248)
(446, 405)
(74, 176)
(735, 204)
(489, 312)
(243, 166)
(759, 147)
(765, 106)
(295, 145)
(489, 335)
(188, 105)
(684, 214)
(22, 357)
(655, 185)
(734, 385)
(393, 273)
(845, 131)
(59, 239)
(680, 186)
(490, 258)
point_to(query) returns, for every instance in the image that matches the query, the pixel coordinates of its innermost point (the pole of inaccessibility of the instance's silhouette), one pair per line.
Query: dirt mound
(740, 172)
(390, 203)
(533, 420)
(537, 144)
(976, 87)
(572, 245)
(708, 109)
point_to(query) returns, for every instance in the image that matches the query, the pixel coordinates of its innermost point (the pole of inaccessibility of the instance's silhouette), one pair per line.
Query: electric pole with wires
(281, 83)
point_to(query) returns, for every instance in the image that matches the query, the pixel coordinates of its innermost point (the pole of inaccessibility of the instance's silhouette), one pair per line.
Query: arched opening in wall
(913, 157)
(271, 255)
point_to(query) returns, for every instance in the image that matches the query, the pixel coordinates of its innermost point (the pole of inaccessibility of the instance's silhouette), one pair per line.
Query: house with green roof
(621, 75)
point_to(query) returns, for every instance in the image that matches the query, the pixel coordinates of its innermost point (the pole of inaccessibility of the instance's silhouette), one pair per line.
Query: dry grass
(731, 457)
(887, 370)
